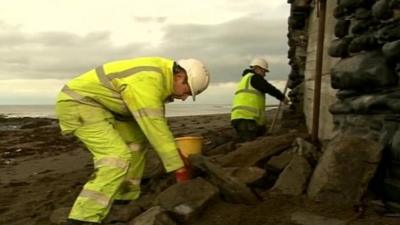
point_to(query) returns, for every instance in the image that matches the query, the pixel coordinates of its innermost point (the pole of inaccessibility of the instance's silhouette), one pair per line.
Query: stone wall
(360, 84)
(302, 54)
(367, 79)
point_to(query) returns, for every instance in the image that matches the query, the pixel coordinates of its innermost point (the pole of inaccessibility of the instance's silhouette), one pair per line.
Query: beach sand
(42, 171)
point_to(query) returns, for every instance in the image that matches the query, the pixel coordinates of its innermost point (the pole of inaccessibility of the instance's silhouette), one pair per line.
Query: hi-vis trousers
(118, 155)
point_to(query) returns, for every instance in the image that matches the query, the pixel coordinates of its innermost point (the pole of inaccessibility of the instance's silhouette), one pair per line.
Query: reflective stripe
(249, 91)
(134, 147)
(113, 162)
(80, 98)
(133, 71)
(146, 112)
(106, 81)
(247, 108)
(246, 89)
(96, 196)
(133, 181)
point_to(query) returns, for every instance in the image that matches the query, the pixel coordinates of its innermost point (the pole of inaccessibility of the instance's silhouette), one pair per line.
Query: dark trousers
(247, 130)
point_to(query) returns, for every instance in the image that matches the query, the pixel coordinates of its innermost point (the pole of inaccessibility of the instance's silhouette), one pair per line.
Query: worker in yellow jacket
(248, 109)
(115, 109)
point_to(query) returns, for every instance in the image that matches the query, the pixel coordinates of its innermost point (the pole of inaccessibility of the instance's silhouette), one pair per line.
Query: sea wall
(360, 76)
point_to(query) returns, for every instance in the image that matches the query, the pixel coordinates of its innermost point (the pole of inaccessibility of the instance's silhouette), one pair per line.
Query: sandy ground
(42, 171)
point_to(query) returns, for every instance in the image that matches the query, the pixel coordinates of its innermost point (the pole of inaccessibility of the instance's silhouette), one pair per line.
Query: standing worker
(113, 109)
(248, 110)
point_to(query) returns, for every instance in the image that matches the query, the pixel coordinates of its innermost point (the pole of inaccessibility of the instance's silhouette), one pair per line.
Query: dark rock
(394, 4)
(342, 28)
(363, 71)
(390, 32)
(300, 5)
(345, 158)
(279, 162)
(153, 216)
(391, 189)
(123, 213)
(39, 122)
(293, 180)
(297, 20)
(294, 82)
(254, 151)
(186, 200)
(372, 103)
(340, 12)
(362, 26)
(365, 42)
(338, 47)
(232, 189)
(342, 94)
(395, 146)
(391, 51)
(222, 149)
(381, 10)
(362, 14)
(307, 150)
(246, 175)
(354, 4)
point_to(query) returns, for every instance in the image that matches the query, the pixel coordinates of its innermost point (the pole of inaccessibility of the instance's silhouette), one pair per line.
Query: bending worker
(113, 109)
(248, 110)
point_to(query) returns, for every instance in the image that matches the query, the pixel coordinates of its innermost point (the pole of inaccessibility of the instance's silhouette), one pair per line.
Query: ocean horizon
(172, 110)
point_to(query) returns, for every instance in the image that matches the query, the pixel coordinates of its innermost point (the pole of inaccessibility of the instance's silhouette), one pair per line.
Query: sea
(172, 110)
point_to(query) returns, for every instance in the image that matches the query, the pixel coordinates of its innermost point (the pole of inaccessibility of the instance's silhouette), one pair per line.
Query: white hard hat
(261, 63)
(197, 74)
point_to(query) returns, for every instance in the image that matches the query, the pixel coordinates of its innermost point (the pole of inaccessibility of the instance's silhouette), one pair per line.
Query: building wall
(327, 93)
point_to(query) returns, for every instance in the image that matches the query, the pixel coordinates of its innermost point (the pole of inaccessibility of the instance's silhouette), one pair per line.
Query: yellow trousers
(117, 148)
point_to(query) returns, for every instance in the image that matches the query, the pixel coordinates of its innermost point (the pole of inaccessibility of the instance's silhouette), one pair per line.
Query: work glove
(182, 175)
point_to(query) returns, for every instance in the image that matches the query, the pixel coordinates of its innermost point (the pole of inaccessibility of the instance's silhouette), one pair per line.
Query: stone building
(360, 90)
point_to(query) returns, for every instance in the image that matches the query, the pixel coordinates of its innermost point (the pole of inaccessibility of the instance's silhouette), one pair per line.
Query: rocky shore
(42, 172)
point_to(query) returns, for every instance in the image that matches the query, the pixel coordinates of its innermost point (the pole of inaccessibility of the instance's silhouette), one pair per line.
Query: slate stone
(342, 28)
(345, 158)
(364, 71)
(365, 42)
(389, 32)
(339, 47)
(381, 10)
(391, 51)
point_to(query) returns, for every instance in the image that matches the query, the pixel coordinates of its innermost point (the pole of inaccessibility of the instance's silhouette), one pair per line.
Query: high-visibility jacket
(137, 87)
(248, 102)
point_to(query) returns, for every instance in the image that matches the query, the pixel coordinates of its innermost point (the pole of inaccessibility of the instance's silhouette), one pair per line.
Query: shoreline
(176, 110)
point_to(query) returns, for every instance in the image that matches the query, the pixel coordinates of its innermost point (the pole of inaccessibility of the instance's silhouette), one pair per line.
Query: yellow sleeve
(143, 98)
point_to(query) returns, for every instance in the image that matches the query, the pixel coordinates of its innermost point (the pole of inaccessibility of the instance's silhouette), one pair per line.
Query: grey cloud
(55, 54)
(226, 48)
(146, 19)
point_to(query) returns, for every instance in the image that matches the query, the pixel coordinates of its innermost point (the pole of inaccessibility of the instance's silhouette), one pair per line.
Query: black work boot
(78, 222)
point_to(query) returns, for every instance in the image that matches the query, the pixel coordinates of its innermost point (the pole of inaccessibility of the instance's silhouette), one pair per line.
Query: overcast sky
(44, 43)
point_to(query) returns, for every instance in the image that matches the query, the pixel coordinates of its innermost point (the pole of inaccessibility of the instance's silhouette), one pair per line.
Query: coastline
(34, 157)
